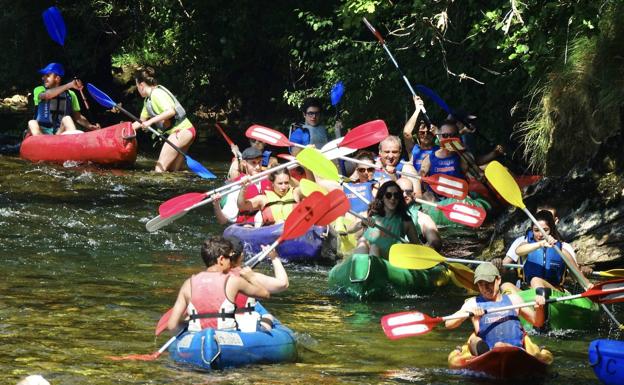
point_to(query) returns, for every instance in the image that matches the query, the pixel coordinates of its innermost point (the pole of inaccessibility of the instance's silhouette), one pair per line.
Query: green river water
(83, 279)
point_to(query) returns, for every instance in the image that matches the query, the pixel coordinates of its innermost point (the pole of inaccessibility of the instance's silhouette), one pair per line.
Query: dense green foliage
(247, 60)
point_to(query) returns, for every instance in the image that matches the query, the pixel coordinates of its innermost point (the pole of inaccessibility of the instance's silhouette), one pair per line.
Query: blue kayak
(305, 248)
(606, 357)
(212, 349)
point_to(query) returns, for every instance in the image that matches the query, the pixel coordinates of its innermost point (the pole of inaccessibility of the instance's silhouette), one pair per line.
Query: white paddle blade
(406, 324)
(266, 135)
(449, 186)
(332, 151)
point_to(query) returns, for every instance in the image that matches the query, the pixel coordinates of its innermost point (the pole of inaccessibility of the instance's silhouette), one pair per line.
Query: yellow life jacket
(277, 208)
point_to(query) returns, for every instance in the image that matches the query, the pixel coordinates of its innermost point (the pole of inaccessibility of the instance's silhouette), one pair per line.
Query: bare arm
(56, 91)
(535, 316)
(408, 129)
(275, 284)
(179, 308)
(221, 218)
(429, 230)
(247, 285)
(455, 323)
(424, 171)
(410, 231)
(253, 204)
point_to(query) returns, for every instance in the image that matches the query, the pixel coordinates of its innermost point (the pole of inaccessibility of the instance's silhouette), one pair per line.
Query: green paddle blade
(414, 257)
(307, 187)
(314, 161)
(504, 184)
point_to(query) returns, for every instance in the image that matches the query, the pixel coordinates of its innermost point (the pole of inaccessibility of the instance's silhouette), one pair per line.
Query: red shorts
(192, 130)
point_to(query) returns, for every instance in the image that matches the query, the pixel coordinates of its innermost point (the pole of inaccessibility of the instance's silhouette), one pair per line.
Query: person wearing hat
(56, 105)
(497, 328)
(268, 160)
(209, 298)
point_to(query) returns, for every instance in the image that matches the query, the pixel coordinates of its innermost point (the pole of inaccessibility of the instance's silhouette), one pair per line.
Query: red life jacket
(252, 191)
(209, 304)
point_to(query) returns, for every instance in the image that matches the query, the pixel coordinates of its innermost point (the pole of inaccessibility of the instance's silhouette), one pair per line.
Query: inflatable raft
(212, 349)
(503, 363)
(111, 146)
(366, 276)
(304, 248)
(606, 357)
(577, 314)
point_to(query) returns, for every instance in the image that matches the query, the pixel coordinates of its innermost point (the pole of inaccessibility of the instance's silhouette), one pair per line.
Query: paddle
(418, 257)
(407, 82)
(151, 356)
(407, 324)
(107, 102)
(609, 273)
(508, 189)
(459, 212)
(227, 139)
(338, 206)
(463, 276)
(335, 96)
(55, 26)
(455, 145)
(446, 185)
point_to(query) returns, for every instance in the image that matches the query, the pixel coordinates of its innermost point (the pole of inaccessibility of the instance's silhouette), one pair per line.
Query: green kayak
(580, 313)
(438, 216)
(364, 276)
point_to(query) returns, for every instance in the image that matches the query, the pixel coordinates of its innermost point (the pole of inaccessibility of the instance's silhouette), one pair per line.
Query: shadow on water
(83, 280)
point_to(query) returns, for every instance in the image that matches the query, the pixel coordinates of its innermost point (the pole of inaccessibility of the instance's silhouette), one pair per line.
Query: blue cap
(53, 68)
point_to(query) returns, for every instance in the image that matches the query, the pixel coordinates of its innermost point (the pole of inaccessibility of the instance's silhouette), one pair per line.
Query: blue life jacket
(365, 189)
(50, 112)
(502, 326)
(544, 263)
(448, 166)
(266, 156)
(382, 176)
(418, 155)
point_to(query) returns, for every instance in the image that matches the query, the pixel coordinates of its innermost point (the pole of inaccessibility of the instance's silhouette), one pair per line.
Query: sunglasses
(370, 169)
(390, 195)
(447, 135)
(313, 113)
(408, 192)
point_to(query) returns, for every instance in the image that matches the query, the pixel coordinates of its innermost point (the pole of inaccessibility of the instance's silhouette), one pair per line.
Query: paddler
(424, 144)
(498, 328)
(390, 160)
(425, 226)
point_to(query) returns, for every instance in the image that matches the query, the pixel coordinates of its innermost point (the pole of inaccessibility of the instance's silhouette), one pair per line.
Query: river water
(83, 279)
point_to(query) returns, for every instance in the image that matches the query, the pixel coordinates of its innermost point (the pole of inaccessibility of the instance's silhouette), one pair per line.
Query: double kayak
(367, 276)
(504, 362)
(304, 248)
(606, 357)
(111, 146)
(212, 349)
(577, 314)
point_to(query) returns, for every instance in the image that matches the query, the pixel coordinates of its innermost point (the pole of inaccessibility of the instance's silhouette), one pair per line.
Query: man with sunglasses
(311, 132)
(426, 227)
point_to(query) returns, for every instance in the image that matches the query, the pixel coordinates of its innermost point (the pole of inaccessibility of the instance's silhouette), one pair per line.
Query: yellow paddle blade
(610, 273)
(414, 257)
(314, 161)
(308, 187)
(463, 276)
(504, 183)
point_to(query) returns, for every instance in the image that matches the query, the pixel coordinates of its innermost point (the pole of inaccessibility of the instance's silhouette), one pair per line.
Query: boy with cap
(498, 328)
(56, 104)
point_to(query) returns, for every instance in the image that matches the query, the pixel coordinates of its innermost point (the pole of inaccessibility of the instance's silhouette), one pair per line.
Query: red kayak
(505, 362)
(111, 146)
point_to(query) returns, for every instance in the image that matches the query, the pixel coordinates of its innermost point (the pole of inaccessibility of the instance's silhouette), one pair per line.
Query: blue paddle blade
(100, 96)
(55, 25)
(198, 169)
(431, 94)
(336, 93)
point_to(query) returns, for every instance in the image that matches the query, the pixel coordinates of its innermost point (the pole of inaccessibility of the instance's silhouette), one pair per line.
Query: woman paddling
(163, 111)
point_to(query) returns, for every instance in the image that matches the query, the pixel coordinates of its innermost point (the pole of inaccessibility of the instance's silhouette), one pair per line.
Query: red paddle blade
(464, 214)
(448, 186)
(268, 136)
(407, 324)
(136, 357)
(452, 144)
(304, 215)
(609, 291)
(365, 135)
(161, 326)
(177, 204)
(225, 136)
(338, 206)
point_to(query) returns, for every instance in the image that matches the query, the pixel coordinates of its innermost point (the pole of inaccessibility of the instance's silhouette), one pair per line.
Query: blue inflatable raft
(304, 248)
(606, 357)
(212, 349)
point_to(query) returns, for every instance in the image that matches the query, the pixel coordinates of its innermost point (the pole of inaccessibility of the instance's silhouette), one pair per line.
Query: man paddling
(210, 296)
(56, 106)
(499, 328)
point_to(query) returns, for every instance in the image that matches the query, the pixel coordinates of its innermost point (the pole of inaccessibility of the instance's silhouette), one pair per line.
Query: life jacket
(502, 326)
(209, 306)
(381, 176)
(277, 208)
(252, 191)
(448, 166)
(246, 316)
(363, 188)
(418, 155)
(544, 263)
(49, 113)
(180, 113)
(266, 157)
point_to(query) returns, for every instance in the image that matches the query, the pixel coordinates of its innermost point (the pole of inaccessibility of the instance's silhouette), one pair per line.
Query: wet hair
(546, 216)
(311, 102)
(217, 246)
(391, 139)
(146, 75)
(274, 174)
(376, 207)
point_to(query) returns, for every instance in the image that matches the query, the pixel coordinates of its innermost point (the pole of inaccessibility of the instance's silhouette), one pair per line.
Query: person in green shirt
(56, 105)
(163, 111)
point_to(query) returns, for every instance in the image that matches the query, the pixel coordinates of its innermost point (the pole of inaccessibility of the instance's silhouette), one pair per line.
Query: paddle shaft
(231, 143)
(405, 79)
(380, 227)
(256, 259)
(368, 164)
